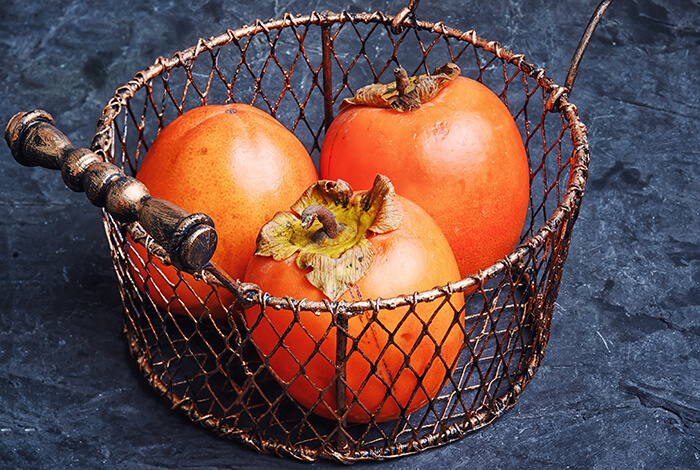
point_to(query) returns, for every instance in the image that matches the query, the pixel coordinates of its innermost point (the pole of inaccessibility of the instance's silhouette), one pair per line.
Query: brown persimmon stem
(316, 211)
(401, 80)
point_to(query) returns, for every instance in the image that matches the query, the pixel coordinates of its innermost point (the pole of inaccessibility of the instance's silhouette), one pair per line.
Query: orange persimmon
(382, 246)
(447, 143)
(238, 165)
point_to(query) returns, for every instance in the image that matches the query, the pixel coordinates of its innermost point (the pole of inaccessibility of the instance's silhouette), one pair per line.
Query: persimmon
(339, 245)
(238, 165)
(447, 143)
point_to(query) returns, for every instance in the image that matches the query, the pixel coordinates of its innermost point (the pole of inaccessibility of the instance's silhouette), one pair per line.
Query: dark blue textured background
(620, 383)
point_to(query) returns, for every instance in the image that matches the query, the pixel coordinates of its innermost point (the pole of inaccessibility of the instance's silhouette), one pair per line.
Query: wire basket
(298, 68)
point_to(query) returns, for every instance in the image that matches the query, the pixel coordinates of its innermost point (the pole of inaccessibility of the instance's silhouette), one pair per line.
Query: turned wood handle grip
(189, 239)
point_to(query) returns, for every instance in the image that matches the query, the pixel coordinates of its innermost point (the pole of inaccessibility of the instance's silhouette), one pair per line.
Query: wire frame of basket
(298, 69)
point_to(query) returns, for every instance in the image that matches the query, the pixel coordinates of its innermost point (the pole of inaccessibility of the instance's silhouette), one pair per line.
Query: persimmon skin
(415, 257)
(238, 165)
(460, 156)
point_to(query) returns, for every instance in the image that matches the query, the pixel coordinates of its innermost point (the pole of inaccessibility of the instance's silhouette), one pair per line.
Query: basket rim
(251, 294)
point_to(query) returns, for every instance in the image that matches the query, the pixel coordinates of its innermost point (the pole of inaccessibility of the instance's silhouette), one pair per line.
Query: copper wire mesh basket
(298, 69)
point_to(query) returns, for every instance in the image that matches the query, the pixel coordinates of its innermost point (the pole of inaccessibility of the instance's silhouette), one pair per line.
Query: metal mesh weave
(298, 69)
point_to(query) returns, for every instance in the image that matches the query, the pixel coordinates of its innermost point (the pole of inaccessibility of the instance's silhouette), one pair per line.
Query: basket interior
(212, 372)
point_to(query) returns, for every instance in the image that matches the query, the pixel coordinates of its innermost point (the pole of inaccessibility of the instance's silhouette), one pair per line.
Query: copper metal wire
(299, 68)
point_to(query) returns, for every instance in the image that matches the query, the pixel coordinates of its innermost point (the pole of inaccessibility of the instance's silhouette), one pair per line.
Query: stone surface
(619, 384)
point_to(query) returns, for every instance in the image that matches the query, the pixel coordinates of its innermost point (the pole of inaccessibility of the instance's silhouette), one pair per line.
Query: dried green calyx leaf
(405, 93)
(328, 228)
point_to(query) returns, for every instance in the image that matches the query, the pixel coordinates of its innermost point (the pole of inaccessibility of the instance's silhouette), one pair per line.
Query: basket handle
(558, 92)
(583, 43)
(189, 239)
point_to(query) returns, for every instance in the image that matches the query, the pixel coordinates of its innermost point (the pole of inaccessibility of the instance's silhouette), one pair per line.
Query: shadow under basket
(298, 69)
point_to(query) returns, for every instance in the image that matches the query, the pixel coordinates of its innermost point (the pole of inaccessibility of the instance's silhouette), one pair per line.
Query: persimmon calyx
(328, 228)
(405, 93)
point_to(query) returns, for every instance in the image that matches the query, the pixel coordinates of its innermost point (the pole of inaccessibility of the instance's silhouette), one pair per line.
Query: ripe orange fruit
(397, 359)
(459, 155)
(236, 164)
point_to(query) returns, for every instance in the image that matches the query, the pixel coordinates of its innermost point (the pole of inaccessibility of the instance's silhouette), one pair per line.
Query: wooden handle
(190, 239)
